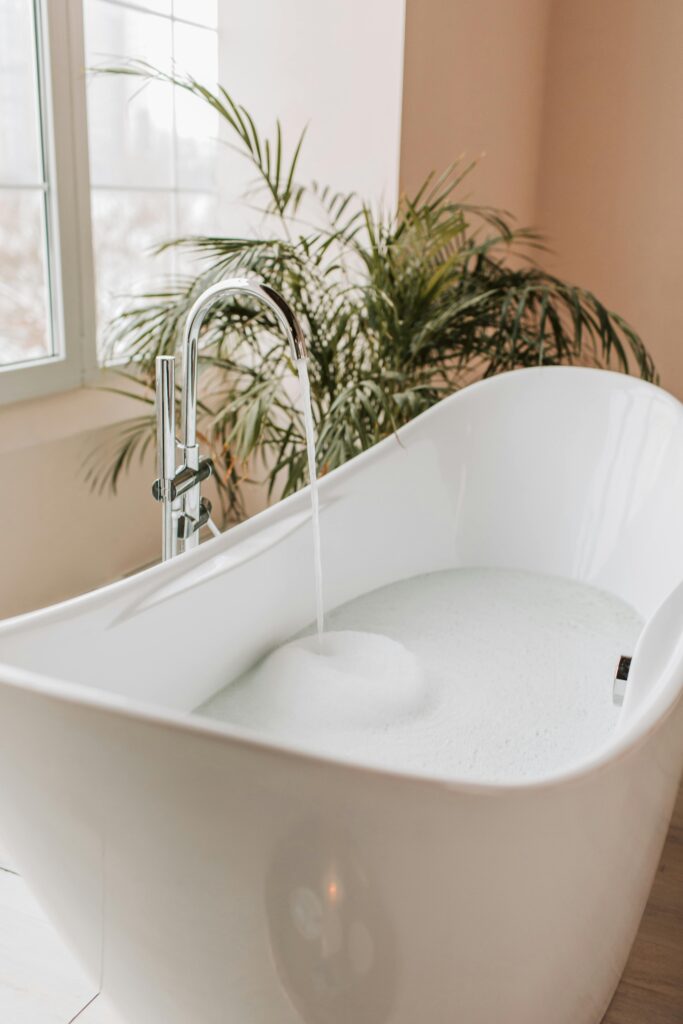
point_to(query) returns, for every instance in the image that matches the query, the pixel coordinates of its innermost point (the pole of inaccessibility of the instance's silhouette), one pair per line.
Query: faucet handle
(187, 526)
(182, 481)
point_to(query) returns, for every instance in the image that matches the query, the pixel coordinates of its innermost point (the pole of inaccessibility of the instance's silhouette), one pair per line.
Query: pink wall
(473, 85)
(610, 190)
(579, 107)
(58, 538)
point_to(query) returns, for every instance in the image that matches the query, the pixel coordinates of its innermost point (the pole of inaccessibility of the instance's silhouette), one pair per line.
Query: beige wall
(610, 187)
(473, 85)
(578, 105)
(57, 538)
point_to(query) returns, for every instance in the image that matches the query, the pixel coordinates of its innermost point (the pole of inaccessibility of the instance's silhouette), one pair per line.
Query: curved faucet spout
(283, 313)
(185, 511)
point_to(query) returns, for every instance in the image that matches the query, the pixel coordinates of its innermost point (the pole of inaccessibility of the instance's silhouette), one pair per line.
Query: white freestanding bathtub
(205, 875)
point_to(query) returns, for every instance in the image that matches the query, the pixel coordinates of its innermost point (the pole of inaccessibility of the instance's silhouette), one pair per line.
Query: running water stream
(305, 384)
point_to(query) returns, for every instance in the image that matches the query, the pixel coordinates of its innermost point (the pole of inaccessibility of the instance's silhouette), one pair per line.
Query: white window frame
(62, 73)
(62, 99)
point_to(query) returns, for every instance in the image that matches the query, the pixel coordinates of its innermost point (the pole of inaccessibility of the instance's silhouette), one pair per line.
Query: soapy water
(478, 674)
(348, 680)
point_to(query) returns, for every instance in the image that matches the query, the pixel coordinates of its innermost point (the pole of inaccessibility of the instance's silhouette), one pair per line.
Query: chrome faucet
(185, 511)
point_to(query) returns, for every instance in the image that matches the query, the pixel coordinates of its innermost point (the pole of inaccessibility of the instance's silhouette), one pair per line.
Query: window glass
(158, 6)
(25, 329)
(130, 122)
(20, 160)
(195, 53)
(24, 333)
(151, 145)
(127, 227)
(202, 12)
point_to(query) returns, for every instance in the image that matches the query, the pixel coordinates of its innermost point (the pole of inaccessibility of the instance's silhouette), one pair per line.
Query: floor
(651, 990)
(40, 983)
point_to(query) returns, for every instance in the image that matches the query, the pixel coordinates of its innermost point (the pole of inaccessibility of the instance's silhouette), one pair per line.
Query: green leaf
(399, 309)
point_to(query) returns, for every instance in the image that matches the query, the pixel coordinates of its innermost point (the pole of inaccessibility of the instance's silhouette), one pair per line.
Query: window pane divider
(40, 186)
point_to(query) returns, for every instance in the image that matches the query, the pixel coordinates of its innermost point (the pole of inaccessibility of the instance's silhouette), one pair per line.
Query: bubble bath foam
(482, 674)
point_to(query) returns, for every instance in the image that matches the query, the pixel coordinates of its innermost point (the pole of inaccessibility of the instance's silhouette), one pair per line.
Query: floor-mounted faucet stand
(184, 511)
(166, 449)
(179, 489)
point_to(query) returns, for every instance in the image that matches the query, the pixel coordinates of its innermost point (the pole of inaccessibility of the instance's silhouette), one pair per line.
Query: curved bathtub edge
(76, 693)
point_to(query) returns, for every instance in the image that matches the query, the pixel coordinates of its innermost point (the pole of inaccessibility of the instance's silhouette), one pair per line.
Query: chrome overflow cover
(621, 680)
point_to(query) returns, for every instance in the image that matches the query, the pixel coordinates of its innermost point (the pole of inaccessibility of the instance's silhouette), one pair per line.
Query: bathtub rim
(620, 746)
(669, 688)
(210, 547)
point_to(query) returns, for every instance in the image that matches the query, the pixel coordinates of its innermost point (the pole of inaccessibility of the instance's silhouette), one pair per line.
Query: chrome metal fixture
(185, 511)
(621, 680)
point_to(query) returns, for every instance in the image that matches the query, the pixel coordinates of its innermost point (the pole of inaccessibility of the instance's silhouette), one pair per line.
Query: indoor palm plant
(399, 311)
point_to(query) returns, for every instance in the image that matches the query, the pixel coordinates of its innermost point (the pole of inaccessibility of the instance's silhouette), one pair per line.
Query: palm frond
(399, 310)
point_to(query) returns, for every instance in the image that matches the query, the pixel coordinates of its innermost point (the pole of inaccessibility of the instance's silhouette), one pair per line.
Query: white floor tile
(40, 981)
(99, 1013)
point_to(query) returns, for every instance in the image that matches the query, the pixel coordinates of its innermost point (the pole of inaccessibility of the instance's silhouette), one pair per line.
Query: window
(151, 166)
(26, 329)
(95, 172)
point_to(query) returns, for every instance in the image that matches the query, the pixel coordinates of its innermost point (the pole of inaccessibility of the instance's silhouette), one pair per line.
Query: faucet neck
(179, 491)
(282, 311)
